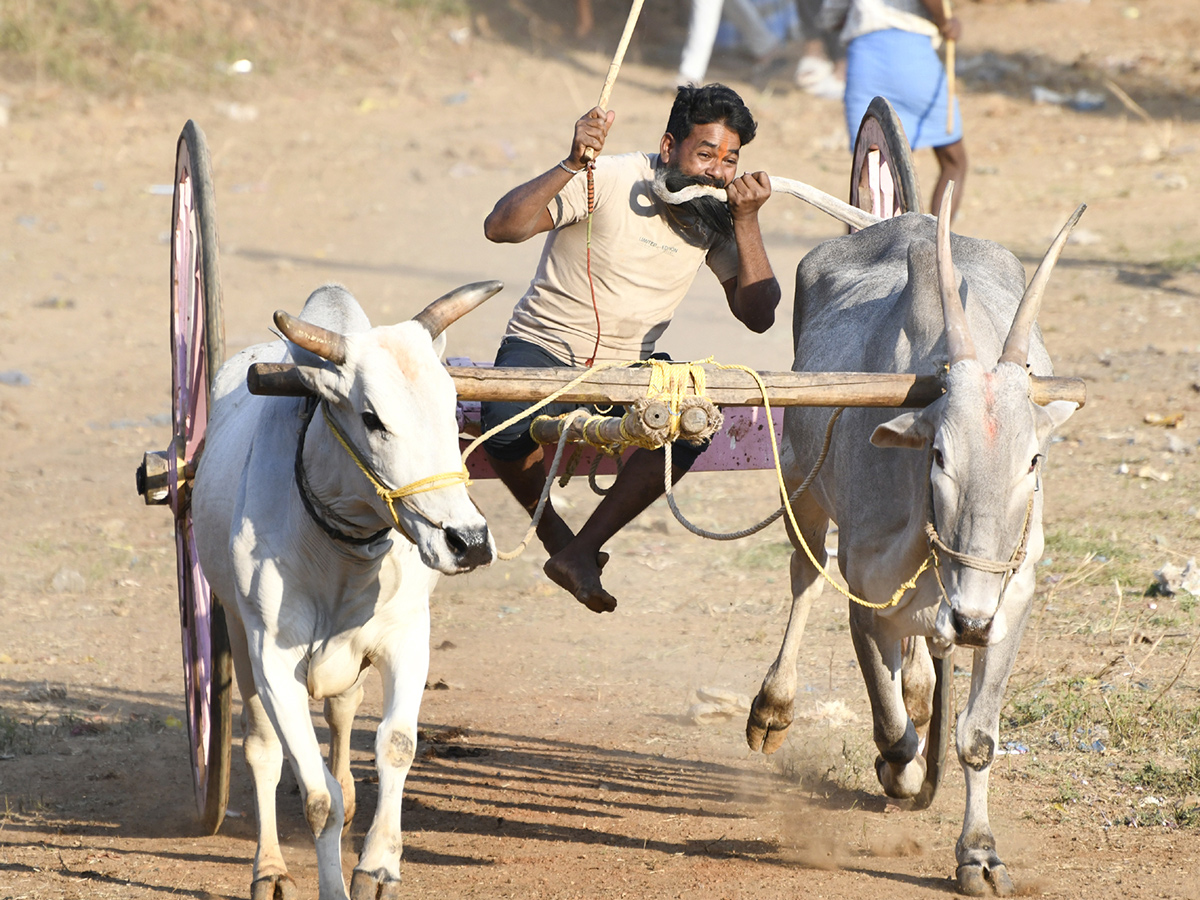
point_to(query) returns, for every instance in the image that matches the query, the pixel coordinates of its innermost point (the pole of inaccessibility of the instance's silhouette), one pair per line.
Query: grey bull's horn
(959, 345)
(326, 344)
(1016, 345)
(443, 311)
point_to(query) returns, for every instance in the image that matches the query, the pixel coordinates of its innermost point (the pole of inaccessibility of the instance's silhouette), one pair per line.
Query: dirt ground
(561, 759)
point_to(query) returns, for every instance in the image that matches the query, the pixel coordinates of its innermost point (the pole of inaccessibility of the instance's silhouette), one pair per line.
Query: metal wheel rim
(882, 178)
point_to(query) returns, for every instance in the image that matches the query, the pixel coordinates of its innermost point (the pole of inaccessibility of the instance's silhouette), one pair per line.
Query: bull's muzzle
(970, 632)
(471, 547)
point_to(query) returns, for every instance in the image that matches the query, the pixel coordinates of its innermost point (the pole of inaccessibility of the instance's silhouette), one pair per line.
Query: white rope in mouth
(827, 203)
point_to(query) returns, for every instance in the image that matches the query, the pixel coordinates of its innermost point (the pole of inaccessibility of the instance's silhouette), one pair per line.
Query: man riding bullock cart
(616, 264)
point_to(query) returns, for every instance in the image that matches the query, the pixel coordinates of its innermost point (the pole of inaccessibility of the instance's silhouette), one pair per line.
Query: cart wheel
(937, 741)
(882, 178)
(197, 351)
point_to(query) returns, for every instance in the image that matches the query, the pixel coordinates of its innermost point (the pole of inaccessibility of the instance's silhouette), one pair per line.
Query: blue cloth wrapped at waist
(903, 67)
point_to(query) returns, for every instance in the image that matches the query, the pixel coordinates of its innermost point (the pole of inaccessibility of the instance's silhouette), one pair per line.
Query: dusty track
(563, 763)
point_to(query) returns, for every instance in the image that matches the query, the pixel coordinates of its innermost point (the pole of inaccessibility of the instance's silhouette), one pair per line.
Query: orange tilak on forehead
(404, 358)
(991, 424)
(717, 136)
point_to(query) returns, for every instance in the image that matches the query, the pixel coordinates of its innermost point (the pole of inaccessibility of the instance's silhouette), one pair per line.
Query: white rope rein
(827, 203)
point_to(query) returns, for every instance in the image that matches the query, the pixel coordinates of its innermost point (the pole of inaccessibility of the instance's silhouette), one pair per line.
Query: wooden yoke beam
(725, 387)
(732, 387)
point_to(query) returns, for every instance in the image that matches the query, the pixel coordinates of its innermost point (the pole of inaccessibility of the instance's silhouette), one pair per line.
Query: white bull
(955, 487)
(295, 505)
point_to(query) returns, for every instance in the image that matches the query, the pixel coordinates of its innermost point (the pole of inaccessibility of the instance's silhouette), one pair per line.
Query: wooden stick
(1117, 612)
(1128, 102)
(1170, 684)
(725, 387)
(946, 14)
(615, 66)
(734, 388)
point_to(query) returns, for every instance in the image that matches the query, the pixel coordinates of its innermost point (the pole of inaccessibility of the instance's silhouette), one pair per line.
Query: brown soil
(561, 761)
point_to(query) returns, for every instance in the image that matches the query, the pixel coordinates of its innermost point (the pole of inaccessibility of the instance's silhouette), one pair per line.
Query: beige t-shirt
(641, 267)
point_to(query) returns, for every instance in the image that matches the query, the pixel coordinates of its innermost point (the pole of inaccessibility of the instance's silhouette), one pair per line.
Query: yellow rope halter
(390, 495)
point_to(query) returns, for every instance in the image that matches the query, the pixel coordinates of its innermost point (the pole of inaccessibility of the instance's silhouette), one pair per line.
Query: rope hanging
(669, 383)
(787, 505)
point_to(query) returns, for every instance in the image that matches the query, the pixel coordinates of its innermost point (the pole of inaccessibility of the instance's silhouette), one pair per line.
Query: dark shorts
(514, 441)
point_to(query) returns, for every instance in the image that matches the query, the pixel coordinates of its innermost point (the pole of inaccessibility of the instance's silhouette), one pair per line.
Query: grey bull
(322, 524)
(952, 492)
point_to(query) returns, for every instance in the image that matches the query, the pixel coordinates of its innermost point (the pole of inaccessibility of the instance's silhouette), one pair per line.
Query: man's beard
(707, 213)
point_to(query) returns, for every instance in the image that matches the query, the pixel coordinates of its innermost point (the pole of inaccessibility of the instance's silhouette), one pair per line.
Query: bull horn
(328, 345)
(443, 311)
(958, 335)
(1016, 345)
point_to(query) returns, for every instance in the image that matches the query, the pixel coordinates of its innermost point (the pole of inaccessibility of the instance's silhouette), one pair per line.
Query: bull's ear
(1052, 415)
(439, 345)
(321, 381)
(908, 431)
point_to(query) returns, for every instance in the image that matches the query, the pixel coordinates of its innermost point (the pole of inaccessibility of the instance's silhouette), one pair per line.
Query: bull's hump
(333, 307)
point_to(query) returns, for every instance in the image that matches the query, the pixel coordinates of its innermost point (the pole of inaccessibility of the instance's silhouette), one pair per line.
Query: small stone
(67, 581)
(15, 378)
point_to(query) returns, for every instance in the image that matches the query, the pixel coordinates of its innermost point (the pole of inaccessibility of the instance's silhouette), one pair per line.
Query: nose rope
(403, 494)
(979, 563)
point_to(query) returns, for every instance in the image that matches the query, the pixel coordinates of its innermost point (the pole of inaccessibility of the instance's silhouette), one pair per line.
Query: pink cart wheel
(197, 351)
(882, 178)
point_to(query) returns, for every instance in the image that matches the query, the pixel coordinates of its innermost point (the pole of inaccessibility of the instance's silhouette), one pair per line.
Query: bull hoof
(374, 886)
(767, 726)
(274, 887)
(974, 879)
(901, 781)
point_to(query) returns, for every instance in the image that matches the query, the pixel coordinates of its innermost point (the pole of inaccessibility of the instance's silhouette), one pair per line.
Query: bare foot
(555, 535)
(581, 578)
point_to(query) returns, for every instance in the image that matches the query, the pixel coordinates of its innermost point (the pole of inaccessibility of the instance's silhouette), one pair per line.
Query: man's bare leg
(525, 480)
(952, 160)
(584, 18)
(575, 568)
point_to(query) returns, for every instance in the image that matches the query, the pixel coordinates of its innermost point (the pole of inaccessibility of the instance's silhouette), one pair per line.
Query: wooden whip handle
(947, 14)
(615, 66)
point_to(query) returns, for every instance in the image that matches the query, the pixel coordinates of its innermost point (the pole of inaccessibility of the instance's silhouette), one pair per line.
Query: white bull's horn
(443, 311)
(959, 345)
(827, 203)
(1016, 345)
(324, 343)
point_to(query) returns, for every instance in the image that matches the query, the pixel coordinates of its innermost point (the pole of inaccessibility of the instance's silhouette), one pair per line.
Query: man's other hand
(747, 193)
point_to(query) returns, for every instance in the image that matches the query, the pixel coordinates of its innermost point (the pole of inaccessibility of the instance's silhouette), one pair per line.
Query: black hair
(705, 105)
